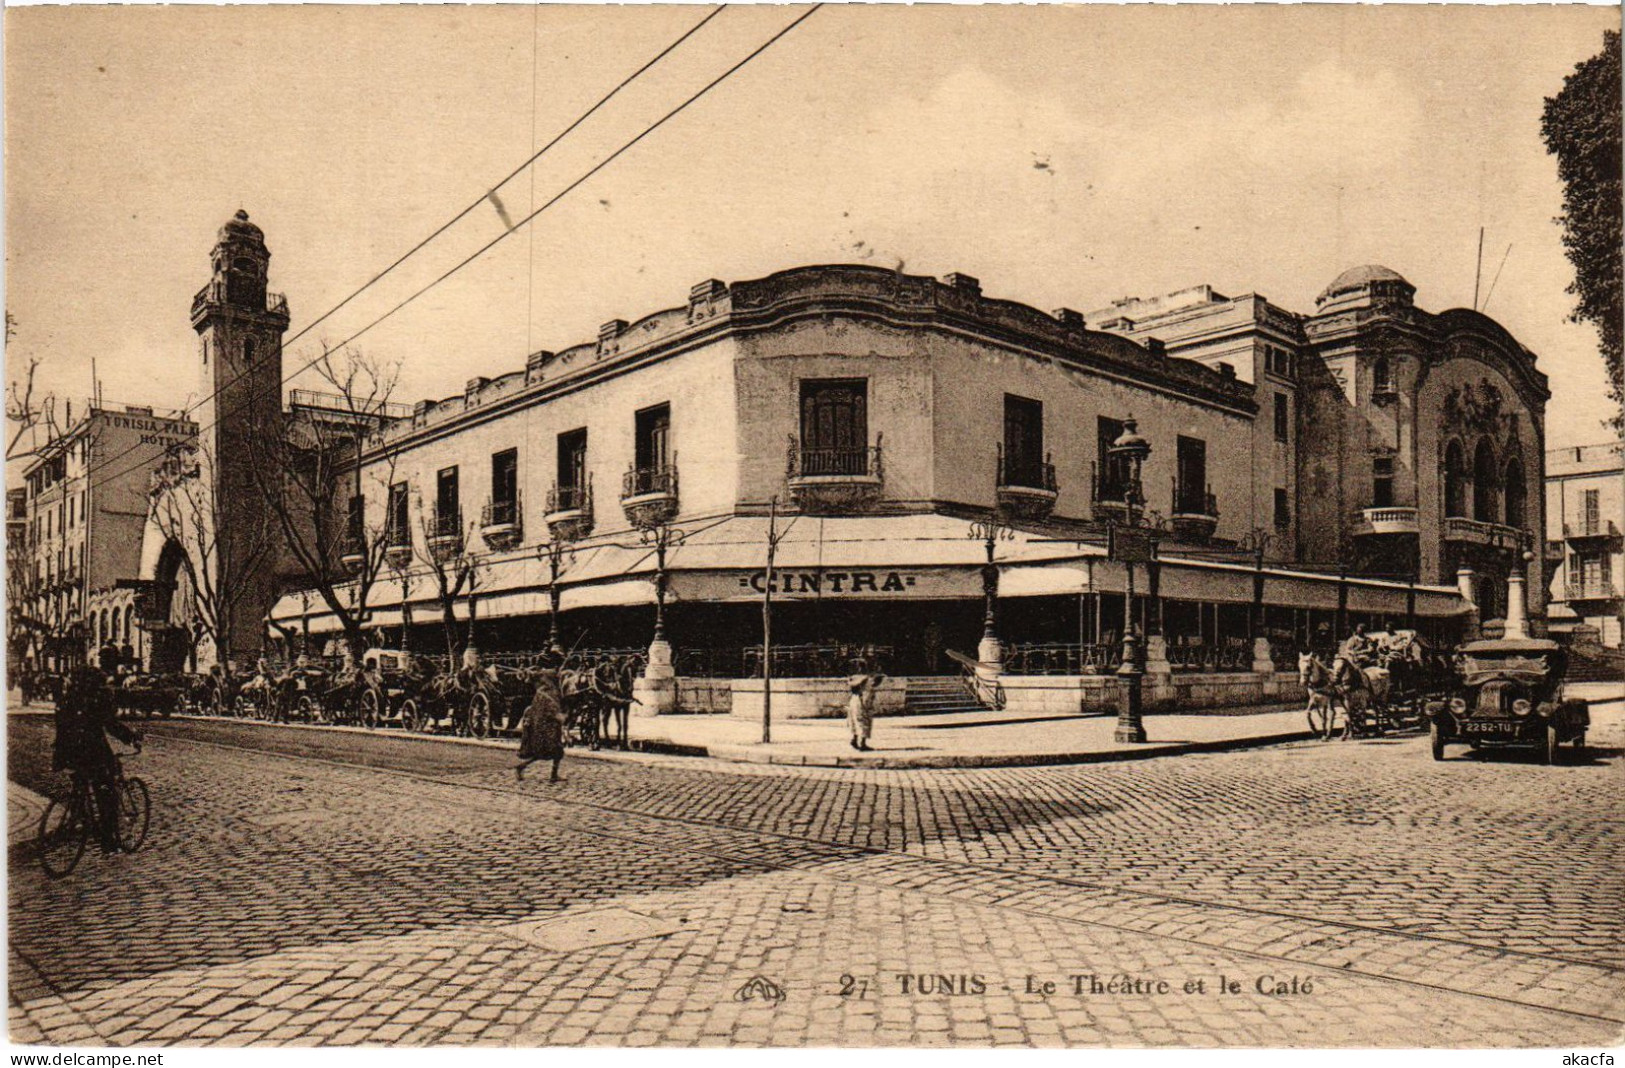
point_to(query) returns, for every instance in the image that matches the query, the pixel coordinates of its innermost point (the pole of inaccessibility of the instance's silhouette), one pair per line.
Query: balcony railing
(649, 495)
(1591, 527)
(448, 524)
(339, 403)
(833, 480)
(569, 510)
(1107, 494)
(1477, 532)
(500, 524)
(1388, 520)
(860, 461)
(1195, 512)
(1026, 488)
(1590, 590)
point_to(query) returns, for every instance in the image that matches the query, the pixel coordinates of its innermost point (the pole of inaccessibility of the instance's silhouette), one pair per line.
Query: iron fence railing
(816, 661)
(640, 481)
(1234, 654)
(1062, 658)
(576, 498)
(1026, 473)
(500, 512)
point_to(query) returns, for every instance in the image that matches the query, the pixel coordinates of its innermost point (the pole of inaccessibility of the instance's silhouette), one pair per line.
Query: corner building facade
(881, 420)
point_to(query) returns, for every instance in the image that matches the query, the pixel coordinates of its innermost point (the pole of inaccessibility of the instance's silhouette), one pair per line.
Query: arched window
(1455, 480)
(1514, 490)
(112, 634)
(1485, 478)
(1382, 376)
(127, 616)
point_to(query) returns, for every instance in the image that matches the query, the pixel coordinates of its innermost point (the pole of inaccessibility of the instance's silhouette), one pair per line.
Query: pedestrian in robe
(860, 707)
(541, 732)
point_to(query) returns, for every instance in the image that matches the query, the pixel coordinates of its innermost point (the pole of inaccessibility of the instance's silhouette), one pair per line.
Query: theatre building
(933, 468)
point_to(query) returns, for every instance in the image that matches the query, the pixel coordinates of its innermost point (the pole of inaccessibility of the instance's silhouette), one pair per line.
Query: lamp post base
(1129, 735)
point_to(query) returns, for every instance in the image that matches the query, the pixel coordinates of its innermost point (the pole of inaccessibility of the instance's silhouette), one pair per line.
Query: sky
(1065, 156)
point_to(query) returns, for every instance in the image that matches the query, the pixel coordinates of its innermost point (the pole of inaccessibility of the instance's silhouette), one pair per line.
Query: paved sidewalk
(23, 808)
(962, 740)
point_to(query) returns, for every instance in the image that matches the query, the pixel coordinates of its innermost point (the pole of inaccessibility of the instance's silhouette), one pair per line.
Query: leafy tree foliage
(1581, 127)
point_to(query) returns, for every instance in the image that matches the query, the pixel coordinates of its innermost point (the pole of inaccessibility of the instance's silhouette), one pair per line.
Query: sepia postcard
(941, 526)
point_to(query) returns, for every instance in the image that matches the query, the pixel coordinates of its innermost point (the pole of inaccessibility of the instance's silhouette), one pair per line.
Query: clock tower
(240, 327)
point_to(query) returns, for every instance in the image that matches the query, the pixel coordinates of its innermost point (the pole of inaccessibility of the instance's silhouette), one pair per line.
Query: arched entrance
(167, 617)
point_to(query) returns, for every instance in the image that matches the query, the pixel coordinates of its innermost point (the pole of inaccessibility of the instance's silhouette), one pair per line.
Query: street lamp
(1132, 541)
(991, 530)
(558, 555)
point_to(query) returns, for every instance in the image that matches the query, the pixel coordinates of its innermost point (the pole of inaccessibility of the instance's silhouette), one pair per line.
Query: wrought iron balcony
(501, 522)
(649, 495)
(1382, 521)
(1108, 496)
(826, 481)
(1477, 532)
(398, 545)
(445, 534)
(569, 511)
(1026, 489)
(1195, 512)
(1590, 590)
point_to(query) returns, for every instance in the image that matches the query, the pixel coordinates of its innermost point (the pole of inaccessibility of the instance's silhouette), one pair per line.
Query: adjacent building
(1585, 540)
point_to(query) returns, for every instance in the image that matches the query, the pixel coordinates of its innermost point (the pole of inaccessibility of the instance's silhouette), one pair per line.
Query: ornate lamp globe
(1129, 444)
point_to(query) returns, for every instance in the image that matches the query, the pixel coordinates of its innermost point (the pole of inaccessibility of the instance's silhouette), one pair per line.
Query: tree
(187, 509)
(308, 475)
(444, 548)
(1581, 127)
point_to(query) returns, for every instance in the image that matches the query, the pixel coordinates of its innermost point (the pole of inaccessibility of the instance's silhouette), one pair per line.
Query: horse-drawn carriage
(1390, 693)
(149, 695)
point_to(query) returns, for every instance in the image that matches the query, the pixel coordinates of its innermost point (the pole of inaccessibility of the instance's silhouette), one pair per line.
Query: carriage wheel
(371, 708)
(1436, 740)
(479, 716)
(240, 707)
(410, 717)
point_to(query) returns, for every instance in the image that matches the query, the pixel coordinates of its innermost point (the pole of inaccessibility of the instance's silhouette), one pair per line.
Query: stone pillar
(1156, 655)
(1517, 610)
(990, 658)
(656, 689)
(1464, 585)
(1264, 667)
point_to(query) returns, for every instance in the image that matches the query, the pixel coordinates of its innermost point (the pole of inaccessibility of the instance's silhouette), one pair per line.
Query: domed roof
(1360, 277)
(239, 226)
(1363, 287)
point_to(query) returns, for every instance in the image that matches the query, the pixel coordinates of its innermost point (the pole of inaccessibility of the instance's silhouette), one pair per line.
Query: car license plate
(1506, 730)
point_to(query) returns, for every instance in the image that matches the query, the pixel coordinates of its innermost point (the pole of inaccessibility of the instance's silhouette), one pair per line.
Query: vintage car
(1509, 692)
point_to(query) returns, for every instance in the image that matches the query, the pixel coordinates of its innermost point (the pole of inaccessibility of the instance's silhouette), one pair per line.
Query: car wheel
(409, 715)
(1436, 739)
(370, 706)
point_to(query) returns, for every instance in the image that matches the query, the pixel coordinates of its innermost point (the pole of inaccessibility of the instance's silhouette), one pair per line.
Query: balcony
(1026, 490)
(501, 522)
(826, 481)
(1466, 531)
(1378, 522)
(649, 495)
(445, 535)
(398, 545)
(569, 511)
(1591, 529)
(1590, 590)
(1195, 512)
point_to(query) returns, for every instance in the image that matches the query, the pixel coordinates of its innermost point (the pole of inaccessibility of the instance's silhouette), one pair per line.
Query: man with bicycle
(85, 715)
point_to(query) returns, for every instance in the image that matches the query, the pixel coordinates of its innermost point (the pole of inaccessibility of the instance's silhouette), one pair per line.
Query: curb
(739, 754)
(742, 754)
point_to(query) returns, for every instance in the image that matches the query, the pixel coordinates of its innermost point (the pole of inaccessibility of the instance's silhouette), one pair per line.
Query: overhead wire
(599, 166)
(454, 220)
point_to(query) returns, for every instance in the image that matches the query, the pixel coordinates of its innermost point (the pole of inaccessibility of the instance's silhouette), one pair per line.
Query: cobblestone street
(317, 887)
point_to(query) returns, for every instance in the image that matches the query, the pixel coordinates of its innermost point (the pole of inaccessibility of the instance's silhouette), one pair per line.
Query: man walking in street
(860, 707)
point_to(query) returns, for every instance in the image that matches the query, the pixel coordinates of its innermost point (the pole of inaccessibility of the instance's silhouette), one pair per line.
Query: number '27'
(854, 988)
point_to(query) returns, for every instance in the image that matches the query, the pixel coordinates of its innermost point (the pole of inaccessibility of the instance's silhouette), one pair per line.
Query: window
(1190, 486)
(448, 519)
(504, 485)
(835, 426)
(1283, 417)
(1283, 511)
(355, 523)
(1278, 361)
(1113, 471)
(1455, 480)
(651, 460)
(1592, 511)
(1485, 477)
(572, 469)
(398, 533)
(1382, 376)
(1514, 491)
(71, 503)
(1382, 482)
(1023, 444)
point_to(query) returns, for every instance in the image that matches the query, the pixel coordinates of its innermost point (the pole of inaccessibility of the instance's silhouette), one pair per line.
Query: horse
(611, 681)
(1365, 691)
(1317, 679)
(581, 703)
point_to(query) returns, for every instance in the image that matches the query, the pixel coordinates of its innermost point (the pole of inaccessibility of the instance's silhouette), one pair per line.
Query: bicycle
(67, 826)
